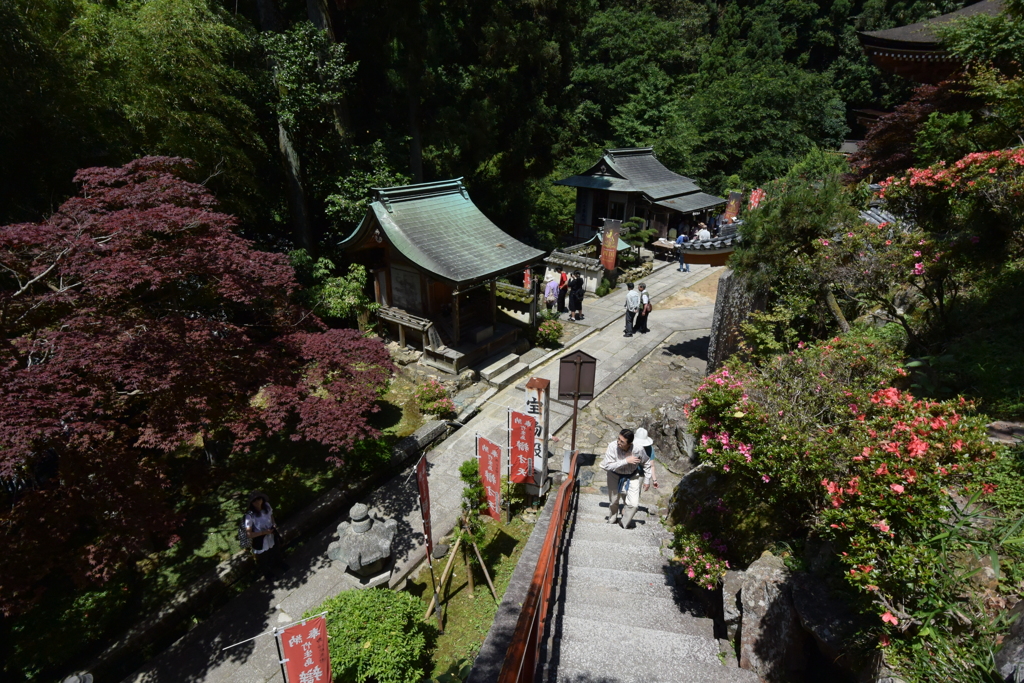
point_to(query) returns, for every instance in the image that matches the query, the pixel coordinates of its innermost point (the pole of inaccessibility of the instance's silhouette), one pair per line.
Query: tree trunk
(833, 308)
(270, 20)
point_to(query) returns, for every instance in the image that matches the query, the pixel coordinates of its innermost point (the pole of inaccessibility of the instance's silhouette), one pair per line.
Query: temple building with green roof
(434, 259)
(632, 182)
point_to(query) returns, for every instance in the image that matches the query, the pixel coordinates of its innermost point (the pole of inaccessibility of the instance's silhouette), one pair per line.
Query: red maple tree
(136, 325)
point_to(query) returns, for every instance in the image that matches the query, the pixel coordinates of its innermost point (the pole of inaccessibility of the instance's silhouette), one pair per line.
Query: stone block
(828, 619)
(1010, 658)
(732, 611)
(770, 634)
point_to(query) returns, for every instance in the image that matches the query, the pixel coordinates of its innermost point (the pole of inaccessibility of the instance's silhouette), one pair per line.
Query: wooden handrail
(521, 657)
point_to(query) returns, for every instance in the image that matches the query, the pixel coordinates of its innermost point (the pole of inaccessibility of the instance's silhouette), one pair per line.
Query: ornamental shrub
(377, 635)
(548, 334)
(824, 437)
(432, 399)
(697, 558)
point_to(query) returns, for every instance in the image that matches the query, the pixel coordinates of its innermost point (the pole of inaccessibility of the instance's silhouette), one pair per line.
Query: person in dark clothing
(640, 325)
(576, 296)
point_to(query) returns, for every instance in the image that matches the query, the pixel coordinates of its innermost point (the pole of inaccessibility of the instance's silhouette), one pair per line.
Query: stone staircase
(504, 371)
(620, 618)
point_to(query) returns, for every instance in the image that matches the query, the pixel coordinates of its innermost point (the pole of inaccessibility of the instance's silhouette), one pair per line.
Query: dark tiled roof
(692, 202)
(440, 230)
(633, 169)
(923, 33)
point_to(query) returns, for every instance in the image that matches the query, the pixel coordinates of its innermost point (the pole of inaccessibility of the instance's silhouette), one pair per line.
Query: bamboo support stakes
(444, 576)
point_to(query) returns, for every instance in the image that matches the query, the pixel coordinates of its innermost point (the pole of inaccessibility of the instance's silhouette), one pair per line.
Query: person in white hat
(642, 439)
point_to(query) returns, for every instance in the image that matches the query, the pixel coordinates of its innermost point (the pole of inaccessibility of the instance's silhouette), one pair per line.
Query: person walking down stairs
(625, 462)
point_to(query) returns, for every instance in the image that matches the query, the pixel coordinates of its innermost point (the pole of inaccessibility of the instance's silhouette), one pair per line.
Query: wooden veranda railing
(521, 658)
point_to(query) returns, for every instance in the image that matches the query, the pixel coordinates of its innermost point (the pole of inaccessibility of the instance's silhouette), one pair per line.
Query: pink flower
(824, 243)
(725, 467)
(918, 268)
(765, 478)
(889, 618)
(917, 254)
(882, 526)
(690, 573)
(898, 488)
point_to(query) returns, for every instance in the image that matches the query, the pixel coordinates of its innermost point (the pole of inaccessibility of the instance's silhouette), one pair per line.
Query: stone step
(602, 646)
(641, 534)
(592, 602)
(640, 585)
(604, 555)
(499, 366)
(509, 376)
(694, 673)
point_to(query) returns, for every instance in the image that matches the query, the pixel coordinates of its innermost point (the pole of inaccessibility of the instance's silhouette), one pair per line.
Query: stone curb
(238, 565)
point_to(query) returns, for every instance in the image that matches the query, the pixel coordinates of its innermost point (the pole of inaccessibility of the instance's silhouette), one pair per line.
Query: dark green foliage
(377, 635)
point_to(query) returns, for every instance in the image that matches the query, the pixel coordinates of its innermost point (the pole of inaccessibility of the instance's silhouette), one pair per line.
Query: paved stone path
(197, 656)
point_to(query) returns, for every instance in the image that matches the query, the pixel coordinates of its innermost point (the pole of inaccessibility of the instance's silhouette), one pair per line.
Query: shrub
(822, 436)
(432, 398)
(696, 558)
(604, 288)
(376, 635)
(549, 333)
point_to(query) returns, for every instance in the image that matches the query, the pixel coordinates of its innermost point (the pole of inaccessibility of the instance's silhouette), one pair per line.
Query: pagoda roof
(441, 231)
(924, 34)
(915, 51)
(633, 169)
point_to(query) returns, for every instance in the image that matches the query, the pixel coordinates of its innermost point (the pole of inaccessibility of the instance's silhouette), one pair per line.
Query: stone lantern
(364, 545)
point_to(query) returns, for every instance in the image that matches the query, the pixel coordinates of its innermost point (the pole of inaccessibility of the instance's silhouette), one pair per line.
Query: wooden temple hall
(632, 182)
(434, 260)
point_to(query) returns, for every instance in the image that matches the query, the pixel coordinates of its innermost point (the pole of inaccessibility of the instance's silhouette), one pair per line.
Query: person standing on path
(563, 289)
(624, 461)
(576, 296)
(703, 233)
(551, 292)
(684, 267)
(632, 306)
(261, 529)
(645, 310)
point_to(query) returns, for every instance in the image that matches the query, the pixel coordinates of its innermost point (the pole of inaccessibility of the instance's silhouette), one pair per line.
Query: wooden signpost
(576, 374)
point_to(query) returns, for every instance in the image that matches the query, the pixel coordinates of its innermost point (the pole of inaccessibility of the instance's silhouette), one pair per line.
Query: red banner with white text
(521, 436)
(490, 473)
(305, 654)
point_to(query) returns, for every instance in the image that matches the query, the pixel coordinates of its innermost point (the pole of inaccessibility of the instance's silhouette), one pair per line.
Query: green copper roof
(440, 230)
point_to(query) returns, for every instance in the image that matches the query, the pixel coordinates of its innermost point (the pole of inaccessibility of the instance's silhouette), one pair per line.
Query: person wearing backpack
(261, 531)
(645, 310)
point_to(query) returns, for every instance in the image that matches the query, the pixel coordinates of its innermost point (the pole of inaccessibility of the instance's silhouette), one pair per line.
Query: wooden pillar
(494, 301)
(401, 335)
(455, 316)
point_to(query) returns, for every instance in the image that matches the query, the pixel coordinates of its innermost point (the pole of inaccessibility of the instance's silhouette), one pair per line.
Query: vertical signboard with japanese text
(610, 243)
(424, 488)
(522, 436)
(538, 395)
(304, 652)
(489, 454)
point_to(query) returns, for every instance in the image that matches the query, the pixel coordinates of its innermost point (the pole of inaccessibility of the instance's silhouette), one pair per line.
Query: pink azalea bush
(827, 435)
(432, 399)
(698, 558)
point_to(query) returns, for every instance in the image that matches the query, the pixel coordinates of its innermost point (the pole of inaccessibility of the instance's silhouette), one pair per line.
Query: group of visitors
(561, 287)
(638, 307)
(698, 234)
(629, 464)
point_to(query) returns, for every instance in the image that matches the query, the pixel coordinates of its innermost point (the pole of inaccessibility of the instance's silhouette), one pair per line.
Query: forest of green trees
(289, 124)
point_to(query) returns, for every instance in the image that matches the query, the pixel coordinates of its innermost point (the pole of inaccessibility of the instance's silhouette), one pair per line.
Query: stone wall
(734, 303)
